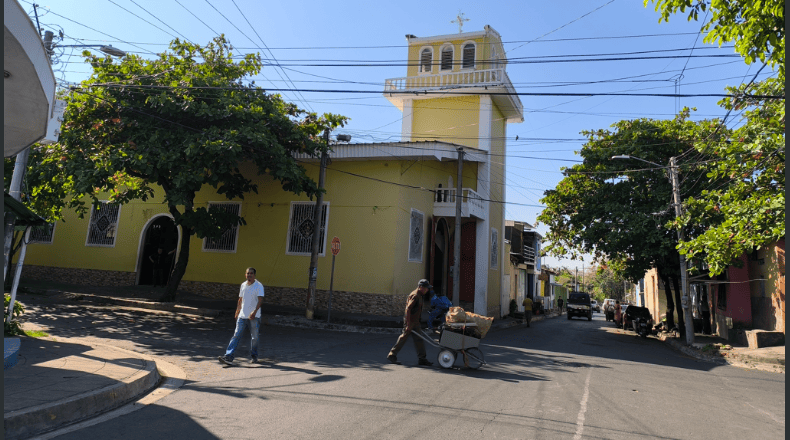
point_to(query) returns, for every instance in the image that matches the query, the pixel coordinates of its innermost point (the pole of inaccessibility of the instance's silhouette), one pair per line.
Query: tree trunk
(180, 268)
(670, 302)
(171, 291)
(676, 283)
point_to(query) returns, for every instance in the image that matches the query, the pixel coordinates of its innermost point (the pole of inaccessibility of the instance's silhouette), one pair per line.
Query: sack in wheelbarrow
(457, 314)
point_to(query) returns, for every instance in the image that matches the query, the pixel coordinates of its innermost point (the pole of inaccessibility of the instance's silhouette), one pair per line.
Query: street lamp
(109, 50)
(685, 303)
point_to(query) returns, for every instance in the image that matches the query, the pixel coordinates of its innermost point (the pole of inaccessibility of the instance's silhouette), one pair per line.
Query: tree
(618, 210)
(747, 210)
(756, 27)
(177, 124)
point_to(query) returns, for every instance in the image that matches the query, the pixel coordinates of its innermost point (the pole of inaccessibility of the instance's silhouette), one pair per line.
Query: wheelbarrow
(452, 344)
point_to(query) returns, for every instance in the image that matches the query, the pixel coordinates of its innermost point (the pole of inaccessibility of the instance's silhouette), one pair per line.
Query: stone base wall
(79, 277)
(351, 302)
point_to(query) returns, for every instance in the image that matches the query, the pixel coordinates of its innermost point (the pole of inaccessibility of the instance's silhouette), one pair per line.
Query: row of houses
(748, 295)
(392, 205)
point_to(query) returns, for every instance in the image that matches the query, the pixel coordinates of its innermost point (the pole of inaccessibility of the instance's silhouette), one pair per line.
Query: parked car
(579, 305)
(594, 306)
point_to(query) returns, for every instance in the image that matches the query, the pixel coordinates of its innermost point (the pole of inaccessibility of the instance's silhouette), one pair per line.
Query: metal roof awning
(24, 216)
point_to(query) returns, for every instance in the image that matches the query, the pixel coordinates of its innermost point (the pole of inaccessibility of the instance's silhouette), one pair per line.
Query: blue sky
(302, 34)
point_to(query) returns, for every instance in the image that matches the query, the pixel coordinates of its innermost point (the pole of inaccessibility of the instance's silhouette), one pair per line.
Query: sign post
(335, 251)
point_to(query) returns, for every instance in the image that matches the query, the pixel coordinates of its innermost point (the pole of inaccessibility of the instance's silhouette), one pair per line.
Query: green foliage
(607, 283)
(11, 326)
(756, 27)
(172, 126)
(617, 209)
(747, 209)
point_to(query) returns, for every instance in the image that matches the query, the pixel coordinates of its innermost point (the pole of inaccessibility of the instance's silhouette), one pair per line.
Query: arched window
(426, 59)
(447, 58)
(468, 56)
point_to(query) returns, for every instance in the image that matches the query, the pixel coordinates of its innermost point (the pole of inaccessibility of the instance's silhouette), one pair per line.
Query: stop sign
(335, 246)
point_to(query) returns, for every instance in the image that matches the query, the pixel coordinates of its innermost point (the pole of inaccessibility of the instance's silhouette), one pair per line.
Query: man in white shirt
(248, 313)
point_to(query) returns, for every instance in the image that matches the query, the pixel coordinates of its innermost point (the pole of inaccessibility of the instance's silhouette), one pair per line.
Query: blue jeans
(241, 326)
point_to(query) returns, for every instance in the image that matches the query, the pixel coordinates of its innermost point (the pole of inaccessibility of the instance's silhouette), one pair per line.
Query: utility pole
(689, 320)
(313, 271)
(457, 249)
(15, 189)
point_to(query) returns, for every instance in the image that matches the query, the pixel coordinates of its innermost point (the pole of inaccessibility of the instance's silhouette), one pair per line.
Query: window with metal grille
(416, 235)
(43, 234)
(227, 242)
(301, 227)
(469, 56)
(447, 58)
(426, 59)
(103, 225)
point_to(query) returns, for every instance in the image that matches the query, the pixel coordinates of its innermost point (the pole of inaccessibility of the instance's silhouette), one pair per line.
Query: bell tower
(456, 90)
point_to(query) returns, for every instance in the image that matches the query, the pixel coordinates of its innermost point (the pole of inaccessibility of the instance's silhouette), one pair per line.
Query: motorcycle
(639, 319)
(641, 326)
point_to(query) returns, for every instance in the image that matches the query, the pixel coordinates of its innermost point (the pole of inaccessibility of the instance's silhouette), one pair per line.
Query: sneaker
(424, 362)
(254, 359)
(226, 360)
(393, 359)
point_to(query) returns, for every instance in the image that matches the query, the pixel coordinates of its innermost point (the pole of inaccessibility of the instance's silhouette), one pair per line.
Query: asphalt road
(557, 379)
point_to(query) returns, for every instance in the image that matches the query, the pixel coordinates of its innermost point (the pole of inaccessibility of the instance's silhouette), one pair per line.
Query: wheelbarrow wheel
(474, 358)
(446, 358)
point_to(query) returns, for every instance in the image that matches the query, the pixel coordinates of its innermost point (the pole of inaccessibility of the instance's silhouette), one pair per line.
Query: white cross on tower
(460, 20)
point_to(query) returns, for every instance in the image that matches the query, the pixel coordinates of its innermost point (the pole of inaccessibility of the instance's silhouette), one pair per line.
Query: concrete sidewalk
(59, 381)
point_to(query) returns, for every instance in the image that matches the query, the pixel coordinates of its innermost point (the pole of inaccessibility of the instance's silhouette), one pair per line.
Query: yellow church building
(391, 205)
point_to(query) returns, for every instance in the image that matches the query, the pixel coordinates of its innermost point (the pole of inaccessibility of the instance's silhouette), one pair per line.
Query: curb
(47, 417)
(302, 322)
(762, 364)
(173, 377)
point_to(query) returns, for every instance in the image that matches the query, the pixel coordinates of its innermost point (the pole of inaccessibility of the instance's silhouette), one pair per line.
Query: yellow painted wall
(370, 218)
(454, 120)
(483, 51)
(496, 210)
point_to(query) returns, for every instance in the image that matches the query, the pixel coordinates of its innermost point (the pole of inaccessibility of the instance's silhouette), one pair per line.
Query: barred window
(468, 56)
(227, 242)
(301, 227)
(103, 225)
(447, 58)
(416, 235)
(42, 234)
(426, 59)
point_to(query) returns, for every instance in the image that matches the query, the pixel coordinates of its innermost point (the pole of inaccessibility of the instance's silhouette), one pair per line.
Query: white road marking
(583, 408)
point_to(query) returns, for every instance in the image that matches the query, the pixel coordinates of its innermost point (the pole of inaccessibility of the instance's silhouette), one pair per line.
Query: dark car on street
(579, 305)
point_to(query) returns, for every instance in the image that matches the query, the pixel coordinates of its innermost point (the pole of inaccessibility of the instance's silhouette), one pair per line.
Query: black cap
(424, 283)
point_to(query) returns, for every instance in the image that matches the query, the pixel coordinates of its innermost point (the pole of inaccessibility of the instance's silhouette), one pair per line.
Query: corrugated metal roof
(428, 150)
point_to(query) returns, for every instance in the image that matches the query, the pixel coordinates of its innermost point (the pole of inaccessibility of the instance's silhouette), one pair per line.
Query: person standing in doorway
(248, 315)
(411, 321)
(527, 303)
(158, 260)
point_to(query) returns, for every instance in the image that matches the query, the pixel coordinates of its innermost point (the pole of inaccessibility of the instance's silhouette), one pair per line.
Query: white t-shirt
(249, 298)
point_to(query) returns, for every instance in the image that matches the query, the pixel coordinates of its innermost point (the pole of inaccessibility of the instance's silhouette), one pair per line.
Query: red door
(468, 246)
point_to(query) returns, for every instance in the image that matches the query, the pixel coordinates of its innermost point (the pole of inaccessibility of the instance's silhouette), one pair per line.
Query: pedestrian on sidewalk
(248, 315)
(411, 321)
(527, 303)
